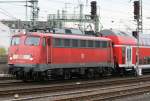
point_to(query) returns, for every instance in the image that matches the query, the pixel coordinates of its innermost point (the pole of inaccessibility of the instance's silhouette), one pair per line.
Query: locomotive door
(48, 50)
(129, 55)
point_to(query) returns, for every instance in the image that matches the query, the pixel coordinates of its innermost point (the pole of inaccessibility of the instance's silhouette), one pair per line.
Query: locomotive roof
(66, 36)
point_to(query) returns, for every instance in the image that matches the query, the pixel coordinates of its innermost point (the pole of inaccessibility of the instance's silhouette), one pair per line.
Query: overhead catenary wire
(7, 13)
(15, 1)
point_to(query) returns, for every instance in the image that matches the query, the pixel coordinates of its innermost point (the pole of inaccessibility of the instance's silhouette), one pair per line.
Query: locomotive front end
(24, 55)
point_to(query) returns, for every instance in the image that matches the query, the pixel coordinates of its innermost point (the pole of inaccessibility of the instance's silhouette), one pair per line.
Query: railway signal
(138, 18)
(135, 34)
(136, 10)
(93, 10)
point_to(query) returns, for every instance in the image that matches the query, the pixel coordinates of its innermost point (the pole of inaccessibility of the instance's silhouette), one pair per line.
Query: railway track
(104, 94)
(74, 90)
(5, 76)
(7, 83)
(97, 94)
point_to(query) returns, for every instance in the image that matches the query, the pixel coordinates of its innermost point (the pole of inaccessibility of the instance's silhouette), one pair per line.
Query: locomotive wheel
(49, 74)
(106, 72)
(67, 75)
(35, 76)
(25, 77)
(90, 73)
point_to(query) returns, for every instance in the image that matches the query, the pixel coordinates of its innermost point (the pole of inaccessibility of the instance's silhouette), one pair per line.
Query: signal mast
(138, 19)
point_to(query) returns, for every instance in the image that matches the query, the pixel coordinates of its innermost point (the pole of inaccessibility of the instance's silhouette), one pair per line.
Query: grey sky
(114, 13)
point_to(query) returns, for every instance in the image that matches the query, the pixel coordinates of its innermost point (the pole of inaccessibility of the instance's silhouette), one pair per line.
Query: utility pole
(139, 30)
(81, 17)
(94, 16)
(81, 12)
(26, 17)
(34, 13)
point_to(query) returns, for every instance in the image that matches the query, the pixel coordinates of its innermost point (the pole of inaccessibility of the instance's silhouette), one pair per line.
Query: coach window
(75, 43)
(67, 42)
(90, 43)
(57, 42)
(15, 41)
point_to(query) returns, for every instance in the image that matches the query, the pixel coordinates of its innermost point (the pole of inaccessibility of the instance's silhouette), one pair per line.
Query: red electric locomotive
(47, 56)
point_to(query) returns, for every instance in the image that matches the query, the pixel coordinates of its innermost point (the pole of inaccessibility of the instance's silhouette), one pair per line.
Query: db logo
(82, 56)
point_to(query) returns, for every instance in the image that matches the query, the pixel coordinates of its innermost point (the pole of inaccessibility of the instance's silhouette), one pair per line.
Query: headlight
(10, 58)
(31, 59)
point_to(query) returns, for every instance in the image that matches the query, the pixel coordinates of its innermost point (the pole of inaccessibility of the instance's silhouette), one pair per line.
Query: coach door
(129, 55)
(48, 51)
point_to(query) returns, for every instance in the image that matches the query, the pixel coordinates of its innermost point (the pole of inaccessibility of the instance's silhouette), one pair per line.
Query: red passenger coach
(123, 50)
(47, 55)
(144, 51)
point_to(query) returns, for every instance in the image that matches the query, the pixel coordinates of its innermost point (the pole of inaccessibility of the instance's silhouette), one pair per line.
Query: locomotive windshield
(15, 41)
(34, 41)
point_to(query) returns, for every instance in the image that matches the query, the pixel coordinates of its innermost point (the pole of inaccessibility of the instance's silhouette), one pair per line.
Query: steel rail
(69, 86)
(96, 94)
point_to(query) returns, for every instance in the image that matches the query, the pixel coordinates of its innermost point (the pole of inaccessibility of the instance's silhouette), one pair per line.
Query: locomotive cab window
(15, 41)
(34, 41)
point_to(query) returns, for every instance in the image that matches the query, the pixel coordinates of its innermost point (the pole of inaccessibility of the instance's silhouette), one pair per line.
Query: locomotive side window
(57, 42)
(32, 41)
(15, 41)
(75, 43)
(97, 44)
(82, 43)
(90, 43)
(104, 44)
(67, 42)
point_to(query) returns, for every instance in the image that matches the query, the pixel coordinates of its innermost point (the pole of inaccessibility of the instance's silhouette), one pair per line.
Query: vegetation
(2, 51)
